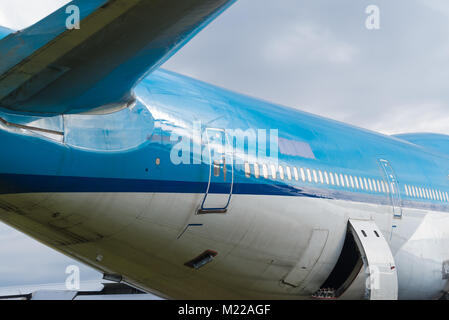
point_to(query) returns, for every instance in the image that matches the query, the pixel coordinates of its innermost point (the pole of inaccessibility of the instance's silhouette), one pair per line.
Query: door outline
(377, 259)
(212, 167)
(393, 184)
(366, 267)
(310, 257)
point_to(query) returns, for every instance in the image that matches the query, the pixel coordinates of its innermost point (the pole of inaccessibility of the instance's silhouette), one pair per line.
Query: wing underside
(49, 69)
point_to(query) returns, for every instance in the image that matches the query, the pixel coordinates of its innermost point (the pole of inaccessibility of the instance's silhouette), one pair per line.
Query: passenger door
(393, 185)
(221, 172)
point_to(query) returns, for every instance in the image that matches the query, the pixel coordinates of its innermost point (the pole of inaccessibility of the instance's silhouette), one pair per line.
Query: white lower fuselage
(146, 238)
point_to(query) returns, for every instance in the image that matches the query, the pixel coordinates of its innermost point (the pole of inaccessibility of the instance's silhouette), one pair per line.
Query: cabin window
(370, 184)
(303, 175)
(281, 172)
(273, 171)
(351, 179)
(337, 181)
(315, 176)
(326, 177)
(361, 183)
(378, 186)
(247, 170)
(320, 174)
(347, 181)
(331, 176)
(256, 171)
(265, 171)
(356, 180)
(406, 190)
(309, 175)
(217, 168)
(342, 180)
(289, 173)
(295, 173)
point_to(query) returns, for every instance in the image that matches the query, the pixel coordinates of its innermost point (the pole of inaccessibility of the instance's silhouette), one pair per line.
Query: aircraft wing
(50, 69)
(88, 290)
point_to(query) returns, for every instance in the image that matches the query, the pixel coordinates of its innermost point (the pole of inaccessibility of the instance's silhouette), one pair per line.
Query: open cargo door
(366, 268)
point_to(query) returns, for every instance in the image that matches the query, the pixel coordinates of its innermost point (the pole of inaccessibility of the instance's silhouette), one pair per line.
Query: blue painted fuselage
(117, 152)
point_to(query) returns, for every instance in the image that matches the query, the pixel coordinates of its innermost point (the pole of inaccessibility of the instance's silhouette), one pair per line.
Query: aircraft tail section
(54, 67)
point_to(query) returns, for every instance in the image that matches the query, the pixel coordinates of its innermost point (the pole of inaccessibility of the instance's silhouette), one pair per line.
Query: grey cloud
(19, 14)
(27, 262)
(318, 56)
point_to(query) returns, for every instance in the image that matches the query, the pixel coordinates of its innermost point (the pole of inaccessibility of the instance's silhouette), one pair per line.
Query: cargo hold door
(365, 269)
(377, 259)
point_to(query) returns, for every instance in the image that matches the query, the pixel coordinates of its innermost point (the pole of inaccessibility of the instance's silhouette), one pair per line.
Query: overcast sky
(315, 55)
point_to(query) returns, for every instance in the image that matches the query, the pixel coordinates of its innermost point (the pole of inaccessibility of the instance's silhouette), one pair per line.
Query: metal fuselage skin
(104, 189)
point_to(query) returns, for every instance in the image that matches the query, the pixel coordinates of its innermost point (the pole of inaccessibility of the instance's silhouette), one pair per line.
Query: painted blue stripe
(22, 184)
(18, 183)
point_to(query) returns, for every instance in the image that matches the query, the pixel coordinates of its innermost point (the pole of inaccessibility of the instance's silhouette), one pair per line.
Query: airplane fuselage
(124, 191)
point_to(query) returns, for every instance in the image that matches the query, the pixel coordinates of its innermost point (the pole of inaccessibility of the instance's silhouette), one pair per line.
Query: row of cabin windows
(330, 178)
(425, 193)
(317, 176)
